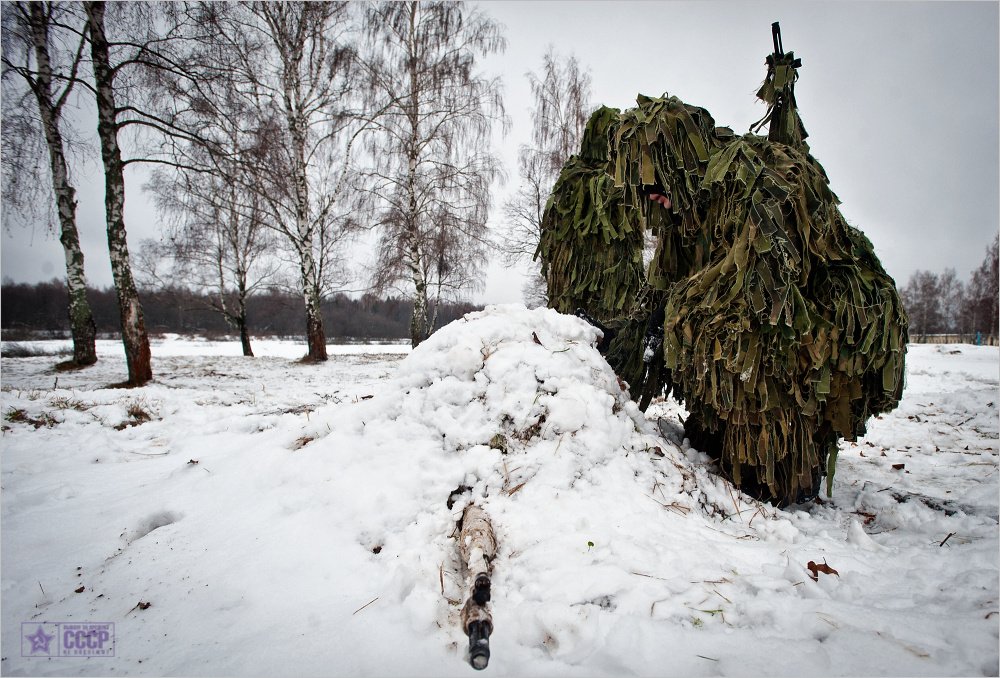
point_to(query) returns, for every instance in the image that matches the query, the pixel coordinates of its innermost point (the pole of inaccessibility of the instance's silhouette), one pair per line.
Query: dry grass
(66, 403)
(18, 416)
(302, 442)
(499, 442)
(138, 413)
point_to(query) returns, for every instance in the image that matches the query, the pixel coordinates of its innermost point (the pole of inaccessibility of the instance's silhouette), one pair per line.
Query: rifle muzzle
(479, 644)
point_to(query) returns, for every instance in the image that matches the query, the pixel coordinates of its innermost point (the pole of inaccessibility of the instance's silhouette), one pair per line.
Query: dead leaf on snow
(815, 569)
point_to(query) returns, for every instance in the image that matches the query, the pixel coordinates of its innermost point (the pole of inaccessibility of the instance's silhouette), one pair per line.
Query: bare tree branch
(560, 111)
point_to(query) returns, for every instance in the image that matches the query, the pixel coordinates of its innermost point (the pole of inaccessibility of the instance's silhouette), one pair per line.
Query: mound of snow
(516, 410)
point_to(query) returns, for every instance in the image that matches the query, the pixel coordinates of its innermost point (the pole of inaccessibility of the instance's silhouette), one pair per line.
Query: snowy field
(256, 517)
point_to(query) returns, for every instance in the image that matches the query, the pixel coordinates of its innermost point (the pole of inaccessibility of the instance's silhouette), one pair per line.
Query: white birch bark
(134, 337)
(81, 319)
(294, 102)
(419, 329)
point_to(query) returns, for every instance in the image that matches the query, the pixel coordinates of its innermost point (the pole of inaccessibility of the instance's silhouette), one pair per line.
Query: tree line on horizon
(940, 303)
(38, 311)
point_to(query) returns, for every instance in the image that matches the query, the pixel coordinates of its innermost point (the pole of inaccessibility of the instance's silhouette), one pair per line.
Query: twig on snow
(365, 605)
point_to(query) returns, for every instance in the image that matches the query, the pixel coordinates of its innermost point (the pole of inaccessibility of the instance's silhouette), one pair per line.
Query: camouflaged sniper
(782, 333)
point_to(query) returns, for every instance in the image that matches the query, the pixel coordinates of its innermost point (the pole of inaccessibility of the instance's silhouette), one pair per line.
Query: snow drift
(518, 412)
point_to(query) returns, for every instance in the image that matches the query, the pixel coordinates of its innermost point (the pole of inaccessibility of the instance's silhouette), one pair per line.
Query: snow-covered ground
(289, 519)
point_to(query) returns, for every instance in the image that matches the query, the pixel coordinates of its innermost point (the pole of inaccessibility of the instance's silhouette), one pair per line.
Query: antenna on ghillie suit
(782, 333)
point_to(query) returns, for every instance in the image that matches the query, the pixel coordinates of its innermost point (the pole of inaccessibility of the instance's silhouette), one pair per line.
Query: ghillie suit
(591, 250)
(782, 331)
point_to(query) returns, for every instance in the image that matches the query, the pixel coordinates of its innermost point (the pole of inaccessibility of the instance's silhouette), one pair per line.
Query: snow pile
(518, 412)
(284, 519)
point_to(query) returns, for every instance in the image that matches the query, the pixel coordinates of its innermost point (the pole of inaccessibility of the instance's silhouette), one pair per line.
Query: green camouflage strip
(591, 243)
(591, 247)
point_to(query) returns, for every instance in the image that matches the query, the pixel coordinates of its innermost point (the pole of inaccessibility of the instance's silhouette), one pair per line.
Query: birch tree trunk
(241, 311)
(240, 249)
(419, 329)
(315, 334)
(81, 319)
(244, 333)
(414, 256)
(137, 354)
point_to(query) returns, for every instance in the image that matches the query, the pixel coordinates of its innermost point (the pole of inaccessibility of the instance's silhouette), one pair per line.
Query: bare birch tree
(143, 65)
(281, 71)
(208, 190)
(561, 106)
(952, 293)
(46, 56)
(134, 337)
(922, 300)
(432, 166)
(215, 242)
(297, 60)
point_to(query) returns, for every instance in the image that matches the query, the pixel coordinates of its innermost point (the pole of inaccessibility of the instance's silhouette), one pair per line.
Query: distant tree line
(943, 304)
(30, 311)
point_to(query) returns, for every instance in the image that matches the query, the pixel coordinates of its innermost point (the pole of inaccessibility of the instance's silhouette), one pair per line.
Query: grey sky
(900, 100)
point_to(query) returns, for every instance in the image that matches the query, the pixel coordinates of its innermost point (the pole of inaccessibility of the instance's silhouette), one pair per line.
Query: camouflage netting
(782, 331)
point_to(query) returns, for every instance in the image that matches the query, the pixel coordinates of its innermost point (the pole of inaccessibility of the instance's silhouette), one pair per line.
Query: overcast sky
(900, 100)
